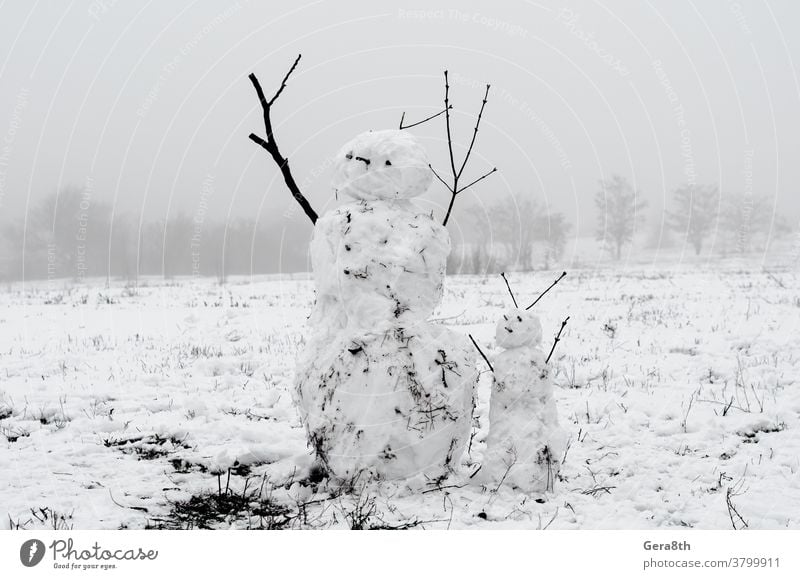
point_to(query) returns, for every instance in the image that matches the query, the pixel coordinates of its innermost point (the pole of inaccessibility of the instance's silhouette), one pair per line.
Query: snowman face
(518, 328)
(387, 164)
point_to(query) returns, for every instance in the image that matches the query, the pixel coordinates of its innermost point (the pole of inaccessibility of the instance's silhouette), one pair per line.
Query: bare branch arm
(449, 137)
(541, 295)
(440, 179)
(513, 299)
(477, 347)
(557, 340)
(457, 191)
(420, 122)
(259, 141)
(465, 187)
(454, 189)
(449, 208)
(475, 132)
(271, 146)
(285, 78)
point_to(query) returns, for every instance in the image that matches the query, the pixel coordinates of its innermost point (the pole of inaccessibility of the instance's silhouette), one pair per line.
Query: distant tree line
(523, 233)
(699, 215)
(70, 236)
(515, 233)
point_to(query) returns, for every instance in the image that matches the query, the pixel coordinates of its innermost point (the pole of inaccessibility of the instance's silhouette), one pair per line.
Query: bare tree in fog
(177, 257)
(535, 237)
(474, 250)
(509, 234)
(122, 253)
(695, 214)
(66, 235)
(554, 230)
(746, 220)
(619, 207)
(481, 257)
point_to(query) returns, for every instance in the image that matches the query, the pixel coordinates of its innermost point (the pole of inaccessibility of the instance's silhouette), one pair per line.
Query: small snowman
(380, 388)
(525, 442)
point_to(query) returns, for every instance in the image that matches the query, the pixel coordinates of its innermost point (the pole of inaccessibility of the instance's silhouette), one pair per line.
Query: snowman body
(378, 387)
(525, 442)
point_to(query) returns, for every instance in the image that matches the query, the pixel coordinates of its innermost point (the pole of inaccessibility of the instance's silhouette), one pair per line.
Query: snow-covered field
(169, 405)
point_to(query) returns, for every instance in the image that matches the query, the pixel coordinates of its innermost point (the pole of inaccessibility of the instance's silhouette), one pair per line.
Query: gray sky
(149, 102)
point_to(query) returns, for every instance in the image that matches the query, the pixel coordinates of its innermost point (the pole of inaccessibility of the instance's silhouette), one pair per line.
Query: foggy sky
(147, 104)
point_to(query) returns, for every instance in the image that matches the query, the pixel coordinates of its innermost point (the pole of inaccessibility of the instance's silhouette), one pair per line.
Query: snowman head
(387, 164)
(518, 328)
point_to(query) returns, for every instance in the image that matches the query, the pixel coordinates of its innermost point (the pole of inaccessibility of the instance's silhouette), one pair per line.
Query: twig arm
(440, 179)
(475, 132)
(557, 340)
(454, 189)
(485, 359)
(513, 299)
(285, 78)
(271, 146)
(447, 108)
(541, 295)
(402, 118)
(454, 192)
(481, 178)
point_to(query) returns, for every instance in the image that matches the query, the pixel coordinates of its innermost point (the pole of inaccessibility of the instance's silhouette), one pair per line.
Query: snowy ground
(169, 406)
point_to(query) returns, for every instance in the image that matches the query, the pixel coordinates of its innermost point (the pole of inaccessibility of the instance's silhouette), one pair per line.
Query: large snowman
(379, 388)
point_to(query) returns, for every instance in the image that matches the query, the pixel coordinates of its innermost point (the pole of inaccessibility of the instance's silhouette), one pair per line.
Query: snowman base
(393, 404)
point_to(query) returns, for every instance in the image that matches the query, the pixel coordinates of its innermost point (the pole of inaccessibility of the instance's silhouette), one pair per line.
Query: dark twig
(513, 299)
(563, 273)
(485, 359)
(510, 465)
(729, 494)
(597, 489)
(113, 500)
(481, 178)
(454, 188)
(441, 488)
(553, 518)
(271, 146)
(447, 117)
(402, 118)
(475, 132)
(449, 206)
(558, 338)
(285, 78)
(438, 177)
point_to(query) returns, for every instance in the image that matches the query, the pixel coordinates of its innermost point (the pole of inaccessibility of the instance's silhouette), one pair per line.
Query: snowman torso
(522, 402)
(381, 262)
